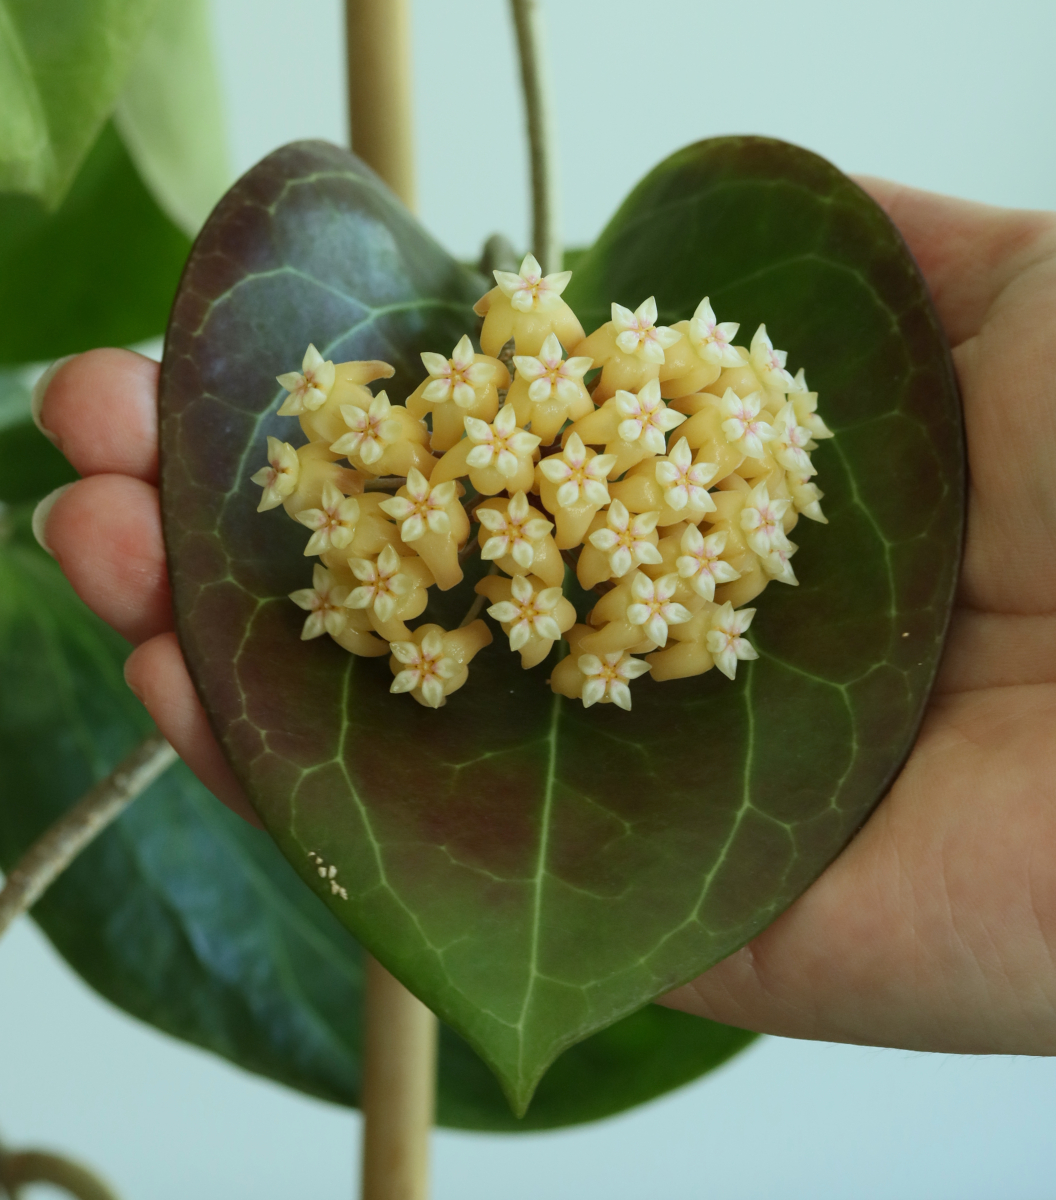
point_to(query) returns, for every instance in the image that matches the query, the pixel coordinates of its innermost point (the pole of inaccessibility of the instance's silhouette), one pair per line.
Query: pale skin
(936, 927)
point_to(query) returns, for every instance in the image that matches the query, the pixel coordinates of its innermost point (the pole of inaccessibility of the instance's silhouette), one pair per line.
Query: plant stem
(379, 90)
(399, 1089)
(546, 234)
(385, 483)
(35, 1166)
(53, 852)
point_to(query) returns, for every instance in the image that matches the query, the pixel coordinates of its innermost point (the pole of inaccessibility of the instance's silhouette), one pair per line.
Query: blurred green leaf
(102, 270)
(188, 918)
(170, 114)
(533, 870)
(30, 466)
(62, 66)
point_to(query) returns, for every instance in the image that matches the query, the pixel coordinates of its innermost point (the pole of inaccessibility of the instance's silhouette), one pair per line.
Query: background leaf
(170, 114)
(532, 870)
(188, 918)
(62, 66)
(111, 260)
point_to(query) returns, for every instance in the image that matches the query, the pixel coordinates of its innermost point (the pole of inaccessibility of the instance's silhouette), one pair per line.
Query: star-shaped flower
(762, 520)
(425, 667)
(529, 611)
(324, 602)
(455, 378)
(790, 443)
(422, 508)
(608, 677)
(578, 477)
(700, 565)
(513, 532)
(500, 444)
(743, 425)
(530, 289)
(308, 387)
(806, 497)
(653, 608)
(806, 402)
(626, 540)
(334, 525)
(638, 333)
(776, 564)
(549, 373)
(769, 364)
(279, 478)
(724, 639)
(685, 482)
(383, 583)
(372, 430)
(712, 341)
(646, 418)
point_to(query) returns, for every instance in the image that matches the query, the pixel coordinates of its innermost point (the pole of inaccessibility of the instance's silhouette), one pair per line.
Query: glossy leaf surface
(110, 256)
(188, 918)
(535, 871)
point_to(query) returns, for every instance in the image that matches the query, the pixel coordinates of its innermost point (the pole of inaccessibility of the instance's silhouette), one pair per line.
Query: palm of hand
(936, 928)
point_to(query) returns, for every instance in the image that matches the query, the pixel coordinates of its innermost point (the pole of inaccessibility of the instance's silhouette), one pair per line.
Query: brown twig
(385, 483)
(37, 1166)
(53, 852)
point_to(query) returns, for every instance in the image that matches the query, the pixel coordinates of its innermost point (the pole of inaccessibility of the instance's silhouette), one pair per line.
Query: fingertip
(157, 675)
(100, 409)
(39, 520)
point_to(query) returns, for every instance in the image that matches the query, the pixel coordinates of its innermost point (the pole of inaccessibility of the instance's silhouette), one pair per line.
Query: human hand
(936, 928)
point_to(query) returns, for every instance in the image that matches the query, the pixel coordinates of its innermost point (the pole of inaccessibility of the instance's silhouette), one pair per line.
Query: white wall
(955, 96)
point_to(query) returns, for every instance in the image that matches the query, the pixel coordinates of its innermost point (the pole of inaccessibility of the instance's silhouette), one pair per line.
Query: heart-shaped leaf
(531, 869)
(188, 918)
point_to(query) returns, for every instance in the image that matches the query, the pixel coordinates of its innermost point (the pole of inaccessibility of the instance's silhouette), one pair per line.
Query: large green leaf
(535, 871)
(188, 918)
(62, 66)
(170, 114)
(102, 270)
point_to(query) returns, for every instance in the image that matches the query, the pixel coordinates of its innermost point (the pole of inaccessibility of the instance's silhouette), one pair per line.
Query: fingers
(105, 532)
(157, 674)
(968, 252)
(100, 409)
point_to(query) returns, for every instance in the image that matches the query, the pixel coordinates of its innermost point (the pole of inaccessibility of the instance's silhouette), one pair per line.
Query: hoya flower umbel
(670, 540)
(725, 641)
(279, 477)
(324, 602)
(309, 387)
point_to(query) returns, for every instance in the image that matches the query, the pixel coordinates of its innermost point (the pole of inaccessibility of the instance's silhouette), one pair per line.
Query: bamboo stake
(399, 1089)
(380, 95)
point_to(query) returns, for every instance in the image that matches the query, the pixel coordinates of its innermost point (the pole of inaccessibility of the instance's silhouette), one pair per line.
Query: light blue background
(958, 97)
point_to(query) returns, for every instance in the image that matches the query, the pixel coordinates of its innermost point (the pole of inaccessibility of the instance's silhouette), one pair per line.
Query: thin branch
(478, 603)
(385, 483)
(546, 234)
(36, 1166)
(53, 852)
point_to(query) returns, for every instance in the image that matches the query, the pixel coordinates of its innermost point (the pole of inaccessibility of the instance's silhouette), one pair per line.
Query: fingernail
(39, 390)
(131, 686)
(41, 514)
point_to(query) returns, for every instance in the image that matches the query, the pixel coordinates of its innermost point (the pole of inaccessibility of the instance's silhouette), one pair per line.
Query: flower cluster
(664, 467)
